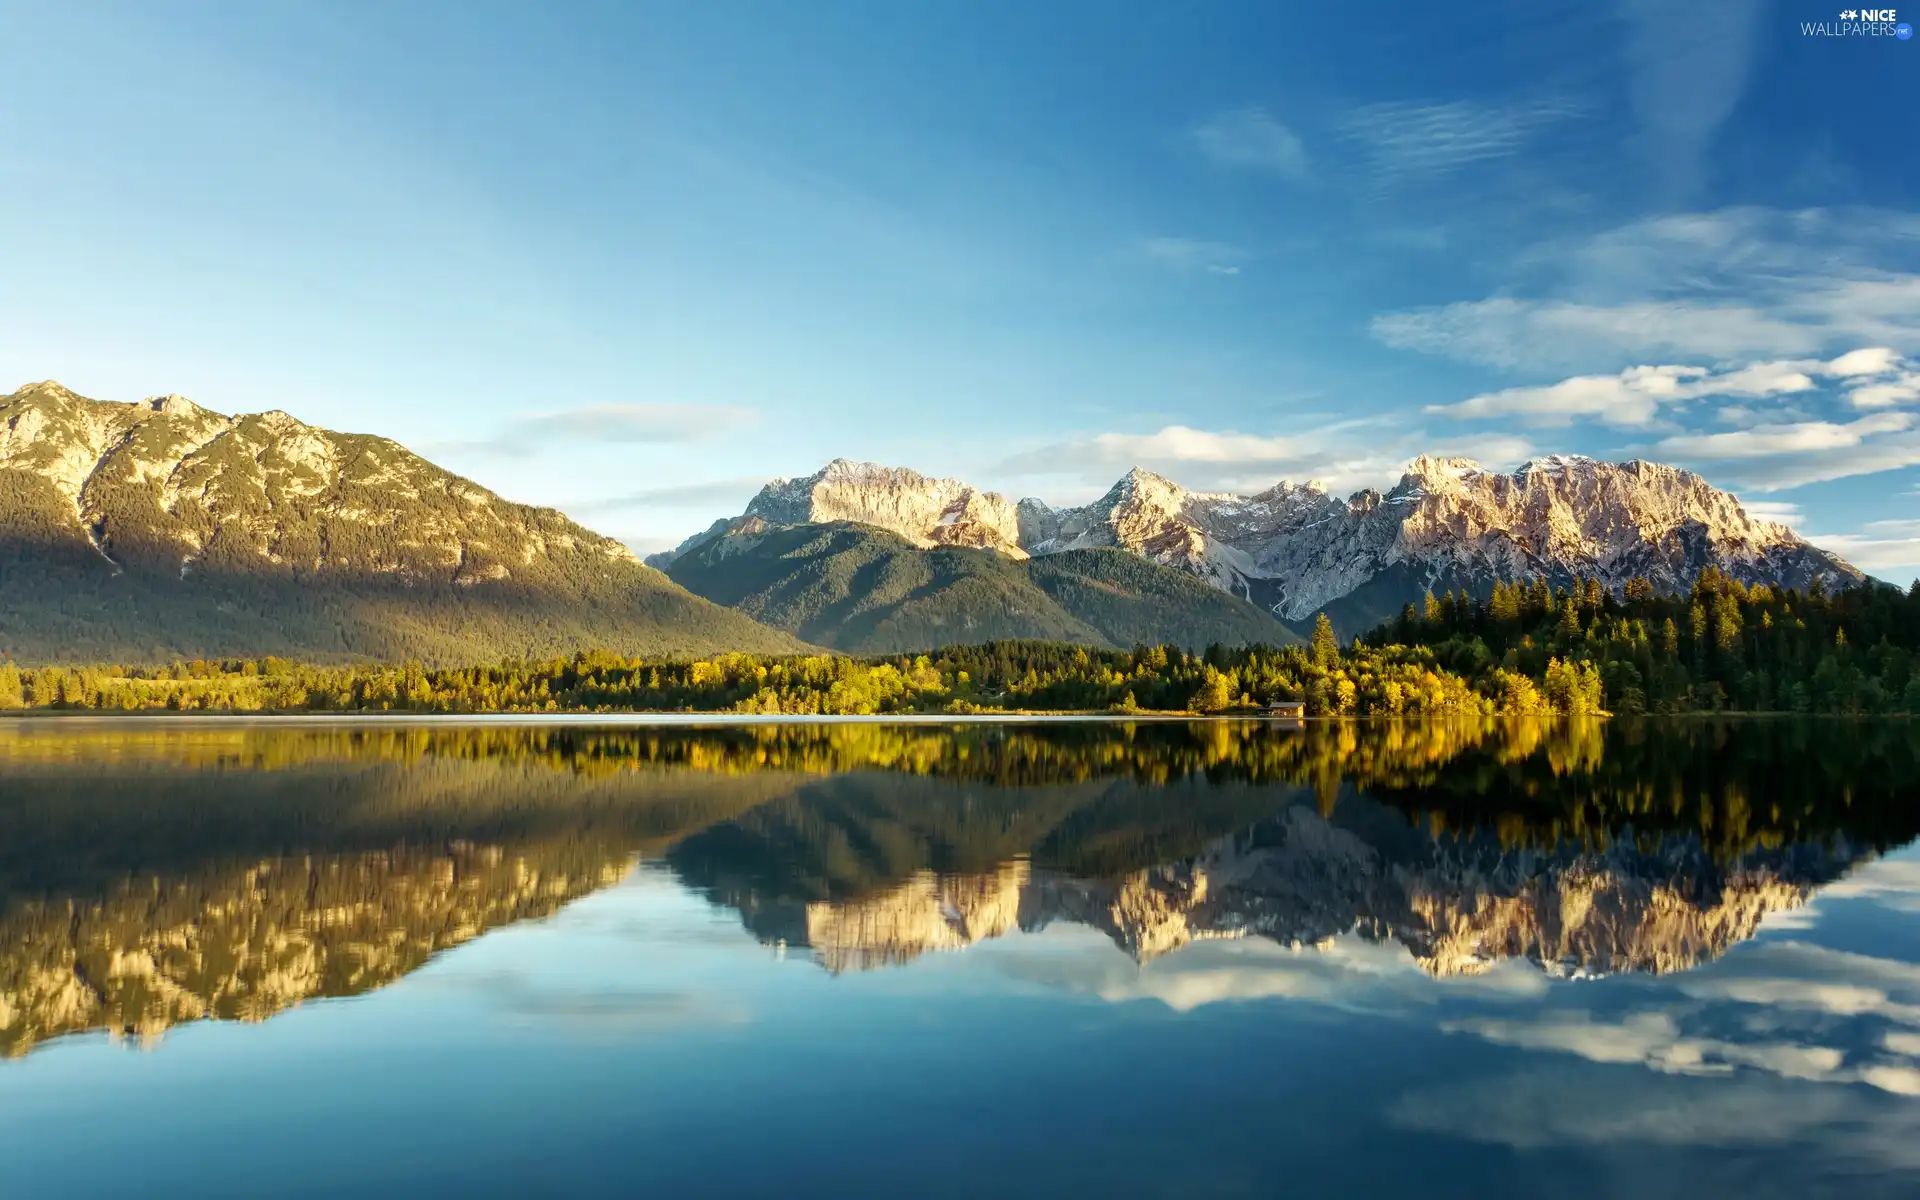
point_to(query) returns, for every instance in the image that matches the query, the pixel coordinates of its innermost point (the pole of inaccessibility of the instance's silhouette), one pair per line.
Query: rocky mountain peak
(1140, 479)
(926, 511)
(49, 387)
(1428, 467)
(1288, 489)
(1554, 464)
(175, 405)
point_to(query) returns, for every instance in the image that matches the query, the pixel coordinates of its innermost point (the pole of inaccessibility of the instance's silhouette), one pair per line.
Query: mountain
(870, 871)
(232, 871)
(1303, 879)
(869, 591)
(1297, 550)
(159, 530)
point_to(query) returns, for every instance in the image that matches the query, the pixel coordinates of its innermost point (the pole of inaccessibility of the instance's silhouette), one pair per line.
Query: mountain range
(1304, 878)
(1297, 550)
(158, 530)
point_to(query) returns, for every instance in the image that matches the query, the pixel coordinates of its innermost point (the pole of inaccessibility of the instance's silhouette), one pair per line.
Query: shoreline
(635, 719)
(20, 717)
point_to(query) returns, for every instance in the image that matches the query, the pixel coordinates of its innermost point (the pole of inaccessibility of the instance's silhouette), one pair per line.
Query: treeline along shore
(1525, 649)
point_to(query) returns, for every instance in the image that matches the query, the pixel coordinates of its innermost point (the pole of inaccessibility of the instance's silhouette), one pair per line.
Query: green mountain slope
(1133, 601)
(145, 532)
(866, 591)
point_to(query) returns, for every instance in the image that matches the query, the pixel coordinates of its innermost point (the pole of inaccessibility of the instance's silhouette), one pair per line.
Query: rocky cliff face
(1301, 879)
(1298, 550)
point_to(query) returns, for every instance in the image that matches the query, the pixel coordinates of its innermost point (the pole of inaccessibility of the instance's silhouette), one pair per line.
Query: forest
(1721, 647)
(1526, 649)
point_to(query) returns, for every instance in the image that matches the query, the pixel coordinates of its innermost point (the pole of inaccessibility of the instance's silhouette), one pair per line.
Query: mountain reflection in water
(155, 872)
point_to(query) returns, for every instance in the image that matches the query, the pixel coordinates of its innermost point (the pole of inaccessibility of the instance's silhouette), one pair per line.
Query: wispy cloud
(1780, 512)
(1819, 1132)
(1889, 882)
(1251, 139)
(718, 492)
(1785, 456)
(1802, 990)
(1191, 254)
(1508, 332)
(652, 424)
(1636, 395)
(1688, 66)
(1771, 445)
(1737, 283)
(1431, 139)
(1877, 546)
(1904, 388)
(1799, 437)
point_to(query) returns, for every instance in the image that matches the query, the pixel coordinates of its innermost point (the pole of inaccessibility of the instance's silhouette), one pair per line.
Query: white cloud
(1655, 1039)
(1635, 395)
(1341, 456)
(1841, 461)
(1787, 454)
(1799, 992)
(1773, 446)
(1347, 971)
(1250, 139)
(1891, 882)
(1737, 283)
(1810, 977)
(1800, 437)
(1873, 360)
(1878, 546)
(1902, 389)
(1780, 512)
(1430, 139)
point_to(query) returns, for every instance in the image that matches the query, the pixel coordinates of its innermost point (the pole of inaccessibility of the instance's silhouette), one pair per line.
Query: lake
(1210, 958)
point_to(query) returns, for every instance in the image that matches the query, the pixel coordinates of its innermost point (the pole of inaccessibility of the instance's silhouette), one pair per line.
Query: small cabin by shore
(1284, 708)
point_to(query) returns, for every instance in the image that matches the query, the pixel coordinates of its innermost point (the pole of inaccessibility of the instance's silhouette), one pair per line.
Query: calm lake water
(1143, 959)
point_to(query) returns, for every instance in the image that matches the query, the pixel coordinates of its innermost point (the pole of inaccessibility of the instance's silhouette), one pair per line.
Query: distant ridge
(869, 591)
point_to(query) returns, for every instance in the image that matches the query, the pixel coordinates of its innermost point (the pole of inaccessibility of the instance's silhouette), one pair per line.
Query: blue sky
(634, 259)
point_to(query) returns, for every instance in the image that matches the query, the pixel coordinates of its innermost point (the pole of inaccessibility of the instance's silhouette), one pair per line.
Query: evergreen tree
(1326, 647)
